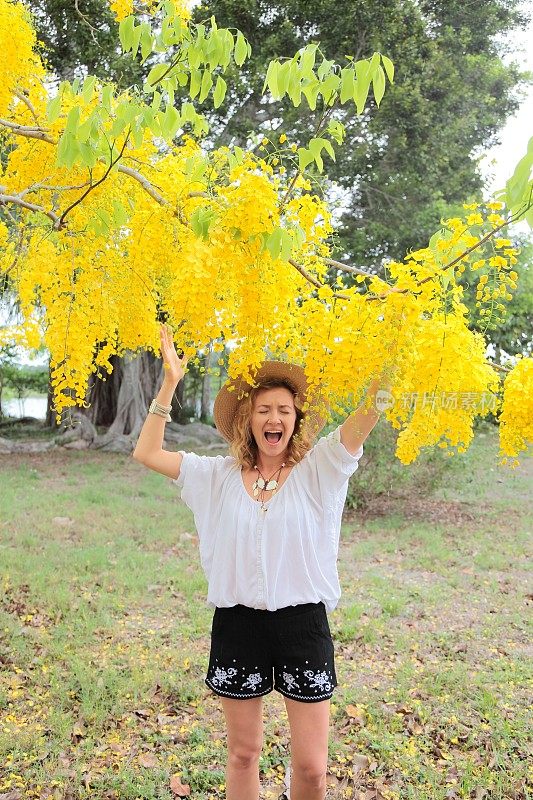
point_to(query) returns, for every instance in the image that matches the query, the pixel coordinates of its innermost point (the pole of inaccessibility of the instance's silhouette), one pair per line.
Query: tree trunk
(120, 403)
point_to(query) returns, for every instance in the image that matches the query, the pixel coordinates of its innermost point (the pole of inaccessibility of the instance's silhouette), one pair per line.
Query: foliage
(452, 93)
(117, 217)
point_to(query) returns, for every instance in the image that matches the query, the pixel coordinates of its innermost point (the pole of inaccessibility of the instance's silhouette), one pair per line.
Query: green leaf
(311, 91)
(378, 84)
(207, 82)
(53, 108)
(374, 64)
(315, 147)
(304, 158)
(146, 40)
(220, 92)
(337, 131)
(73, 119)
(241, 50)
(273, 243)
(389, 68)
(136, 38)
(324, 68)
(107, 94)
(362, 85)
(294, 89)
(194, 54)
(196, 82)
(284, 74)
(201, 220)
(171, 122)
(307, 59)
(155, 74)
(84, 130)
(87, 155)
(286, 245)
(446, 277)
(271, 80)
(120, 214)
(329, 86)
(88, 87)
(227, 47)
(347, 84)
(125, 33)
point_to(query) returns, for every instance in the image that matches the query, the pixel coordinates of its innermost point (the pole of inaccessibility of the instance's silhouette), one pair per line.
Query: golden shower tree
(114, 216)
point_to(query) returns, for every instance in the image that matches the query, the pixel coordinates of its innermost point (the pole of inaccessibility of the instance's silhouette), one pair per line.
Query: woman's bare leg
(244, 722)
(309, 724)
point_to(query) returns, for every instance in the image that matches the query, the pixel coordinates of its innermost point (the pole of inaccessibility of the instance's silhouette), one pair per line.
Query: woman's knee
(313, 773)
(244, 754)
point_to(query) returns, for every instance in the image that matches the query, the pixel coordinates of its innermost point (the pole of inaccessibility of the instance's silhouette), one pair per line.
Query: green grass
(104, 639)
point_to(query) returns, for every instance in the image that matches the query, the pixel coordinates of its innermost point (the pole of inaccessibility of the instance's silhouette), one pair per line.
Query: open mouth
(273, 436)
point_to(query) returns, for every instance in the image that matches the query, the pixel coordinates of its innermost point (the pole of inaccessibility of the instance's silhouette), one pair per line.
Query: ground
(105, 638)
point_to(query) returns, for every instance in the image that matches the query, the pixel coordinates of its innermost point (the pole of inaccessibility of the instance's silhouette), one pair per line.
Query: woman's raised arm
(149, 448)
(355, 428)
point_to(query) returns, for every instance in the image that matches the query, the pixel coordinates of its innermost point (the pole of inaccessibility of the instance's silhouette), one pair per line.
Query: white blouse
(283, 555)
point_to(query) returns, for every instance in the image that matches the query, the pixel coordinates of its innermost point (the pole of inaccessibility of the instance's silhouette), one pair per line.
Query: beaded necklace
(261, 484)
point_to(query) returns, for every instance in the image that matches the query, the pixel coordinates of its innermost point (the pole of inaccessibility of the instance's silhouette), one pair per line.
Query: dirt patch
(415, 508)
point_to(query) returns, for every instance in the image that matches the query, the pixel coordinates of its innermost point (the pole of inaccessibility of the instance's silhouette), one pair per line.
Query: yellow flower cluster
(20, 66)
(206, 238)
(123, 8)
(516, 419)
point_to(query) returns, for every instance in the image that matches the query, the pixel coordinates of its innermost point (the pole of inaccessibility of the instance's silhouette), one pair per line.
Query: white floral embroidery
(290, 680)
(223, 675)
(318, 680)
(253, 680)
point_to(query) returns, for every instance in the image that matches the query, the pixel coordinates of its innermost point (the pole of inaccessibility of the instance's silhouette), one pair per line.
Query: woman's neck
(269, 464)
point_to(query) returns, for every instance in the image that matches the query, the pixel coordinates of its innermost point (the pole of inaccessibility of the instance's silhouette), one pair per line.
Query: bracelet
(161, 411)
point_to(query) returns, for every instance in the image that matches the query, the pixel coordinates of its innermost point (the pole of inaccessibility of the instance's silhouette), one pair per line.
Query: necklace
(261, 484)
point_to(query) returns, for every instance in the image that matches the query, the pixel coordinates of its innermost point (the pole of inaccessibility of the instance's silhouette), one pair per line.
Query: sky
(499, 161)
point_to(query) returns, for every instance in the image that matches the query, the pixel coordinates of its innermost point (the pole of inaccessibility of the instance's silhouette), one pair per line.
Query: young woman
(268, 519)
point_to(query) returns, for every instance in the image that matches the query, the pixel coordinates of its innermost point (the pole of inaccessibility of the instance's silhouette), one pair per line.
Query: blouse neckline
(257, 503)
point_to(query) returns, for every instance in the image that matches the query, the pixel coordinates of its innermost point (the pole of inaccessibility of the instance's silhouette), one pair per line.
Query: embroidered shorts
(254, 651)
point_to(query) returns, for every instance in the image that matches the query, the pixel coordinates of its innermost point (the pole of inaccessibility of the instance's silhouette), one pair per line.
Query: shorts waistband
(286, 611)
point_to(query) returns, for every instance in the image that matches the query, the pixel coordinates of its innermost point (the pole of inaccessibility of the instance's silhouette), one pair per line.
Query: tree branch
(27, 101)
(27, 130)
(16, 200)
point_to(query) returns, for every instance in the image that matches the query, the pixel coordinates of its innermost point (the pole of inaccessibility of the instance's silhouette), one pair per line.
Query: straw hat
(226, 402)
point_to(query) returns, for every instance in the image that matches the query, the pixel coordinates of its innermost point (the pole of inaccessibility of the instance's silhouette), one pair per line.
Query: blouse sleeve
(197, 481)
(332, 463)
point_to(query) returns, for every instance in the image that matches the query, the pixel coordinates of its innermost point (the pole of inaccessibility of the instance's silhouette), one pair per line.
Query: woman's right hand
(175, 370)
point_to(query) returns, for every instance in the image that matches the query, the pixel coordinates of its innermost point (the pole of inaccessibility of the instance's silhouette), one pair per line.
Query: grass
(104, 639)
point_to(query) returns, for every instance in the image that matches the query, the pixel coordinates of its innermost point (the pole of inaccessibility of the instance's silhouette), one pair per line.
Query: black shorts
(254, 651)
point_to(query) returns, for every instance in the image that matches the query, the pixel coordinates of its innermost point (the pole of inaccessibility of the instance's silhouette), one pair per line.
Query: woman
(268, 518)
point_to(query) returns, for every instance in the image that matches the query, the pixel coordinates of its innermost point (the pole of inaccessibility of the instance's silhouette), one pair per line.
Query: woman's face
(273, 420)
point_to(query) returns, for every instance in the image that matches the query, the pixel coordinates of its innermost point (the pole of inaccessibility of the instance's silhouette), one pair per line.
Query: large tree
(114, 219)
(402, 167)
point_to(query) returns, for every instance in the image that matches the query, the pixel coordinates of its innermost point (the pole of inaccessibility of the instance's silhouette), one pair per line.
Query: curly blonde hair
(243, 446)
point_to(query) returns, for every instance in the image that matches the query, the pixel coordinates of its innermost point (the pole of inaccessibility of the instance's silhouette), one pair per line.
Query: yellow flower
(474, 219)
(264, 140)
(294, 147)
(495, 206)
(282, 138)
